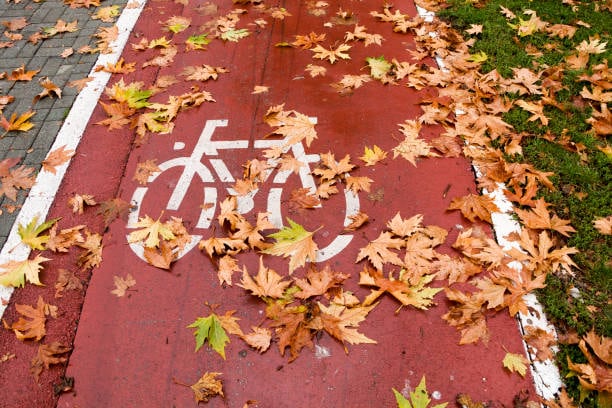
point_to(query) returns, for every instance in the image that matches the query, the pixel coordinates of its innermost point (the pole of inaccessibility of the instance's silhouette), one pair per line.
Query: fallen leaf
(516, 363)
(210, 329)
(66, 280)
(122, 285)
(259, 89)
(294, 242)
(475, 206)
(49, 89)
(31, 323)
(20, 74)
(56, 158)
(15, 273)
(30, 234)
(78, 201)
(47, 355)
(267, 282)
(206, 387)
(259, 338)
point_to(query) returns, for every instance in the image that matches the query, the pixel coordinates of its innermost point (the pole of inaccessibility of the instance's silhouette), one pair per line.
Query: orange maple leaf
(20, 74)
(56, 158)
(31, 323)
(475, 206)
(379, 251)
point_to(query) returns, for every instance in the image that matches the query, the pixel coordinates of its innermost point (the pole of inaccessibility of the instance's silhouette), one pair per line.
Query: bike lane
(132, 351)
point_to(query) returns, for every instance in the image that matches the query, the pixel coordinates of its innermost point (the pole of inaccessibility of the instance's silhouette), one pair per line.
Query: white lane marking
(43, 192)
(546, 377)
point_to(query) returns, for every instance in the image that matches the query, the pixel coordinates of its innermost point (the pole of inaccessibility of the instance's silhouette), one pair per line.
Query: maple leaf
(357, 220)
(113, 209)
(222, 246)
(603, 225)
(405, 227)
(541, 340)
(47, 355)
(516, 363)
(378, 251)
(150, 232)
(292, 328)
(56, 158)
(419, 398)
(120, 67)
(541, 255)
(19, 178)
(79, 84)
(359, 33)
(379, 68)
(294, 242)
(144, 170)
(31, 323)
(60, 27)
(418, 295)
(131, 93)
(197, 42)
(466, 314)
(78, 201)
(176, 24)
(593, 46)
(536, 110)
(202, 72)
(92, 254)
(539, 218)
(332, 55)
(303, 198)
(15, 273)
(454, 269)
(226, 267)
(308, 41)
(106, 14)
(412, 147)
(357, 184)
(210, 329)
(49, 89)
(315, 70)
(267, 282)
(259, 338)
(60, 242)
(251, 234)
(122, 284)
(331, 169)
(15, 24)
(20, 74)
(67, 280)
(30, 234)
(260, 89)
(475, 206)
(17, 123)
(295, 126)
(318, 282)
(234, 35)
(373, 156)
(341, 322)
(206, 387)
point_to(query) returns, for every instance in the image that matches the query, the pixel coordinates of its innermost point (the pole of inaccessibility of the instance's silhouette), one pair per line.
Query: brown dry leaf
(31, 323)
(332, 54)
(144, 170)
(251, 234)
(228, 212)
(357, 220)
(603, 225)
(79, 84)
(57, 158)
(267, 283)
(303, 198)
(62, 241)
(49, 89)
(315, 70)
(226, 268)
(47, 355)
(293, 125)
(412, 147)
(207, 387)
(202, 72)
(66, 280)
(474, 206)
(306, 42)
(379, 251)
(373, 156)
(539, 218)
(357, 184)
(405, 227)
(20, 74)
(294, 242)
(92, 254)
(78, 201)
(113, 209)
(259, 338)
(122, 285)
(454, 269)
(105, 36)
(162, 256)
(318, 283)
(14, 179)
(342, 322)
(541, 341)
(330, 169)
(15, 24)
(120, 67)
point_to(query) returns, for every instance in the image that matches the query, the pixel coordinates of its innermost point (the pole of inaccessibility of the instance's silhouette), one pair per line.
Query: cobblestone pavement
(32, 146)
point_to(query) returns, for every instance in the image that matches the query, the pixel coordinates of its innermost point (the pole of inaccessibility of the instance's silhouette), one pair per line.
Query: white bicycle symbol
(193, 165)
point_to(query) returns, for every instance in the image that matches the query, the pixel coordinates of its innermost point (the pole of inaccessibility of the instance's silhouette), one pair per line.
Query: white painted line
(546, 376)
(43, 192)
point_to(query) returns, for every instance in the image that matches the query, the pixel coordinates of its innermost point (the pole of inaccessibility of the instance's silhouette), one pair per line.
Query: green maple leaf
(30, 234)
(235, 35)
(210, 328)
(379, 66)
(419, 398)
(198, 42)
(15, 273)
(135, 97)
(478, 57)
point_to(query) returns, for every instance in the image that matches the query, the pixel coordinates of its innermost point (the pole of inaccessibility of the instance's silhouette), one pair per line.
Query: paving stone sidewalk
(32, 146)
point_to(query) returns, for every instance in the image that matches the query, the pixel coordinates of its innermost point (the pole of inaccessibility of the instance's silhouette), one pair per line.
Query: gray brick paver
(34, 145)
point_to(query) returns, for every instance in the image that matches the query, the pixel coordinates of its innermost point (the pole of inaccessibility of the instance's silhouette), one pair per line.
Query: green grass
(583, 185)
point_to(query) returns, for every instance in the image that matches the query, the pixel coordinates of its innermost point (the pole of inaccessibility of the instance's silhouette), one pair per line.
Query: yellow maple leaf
(150, 232)
(516, 363)
(331, 54)
(15, 273)
(372, 156)
(294, 242)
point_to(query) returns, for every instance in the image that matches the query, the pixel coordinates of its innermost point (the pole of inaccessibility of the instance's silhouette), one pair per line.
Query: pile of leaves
(474, 103)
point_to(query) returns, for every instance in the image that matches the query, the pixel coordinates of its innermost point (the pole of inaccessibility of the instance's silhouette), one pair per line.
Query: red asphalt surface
(129, 351)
